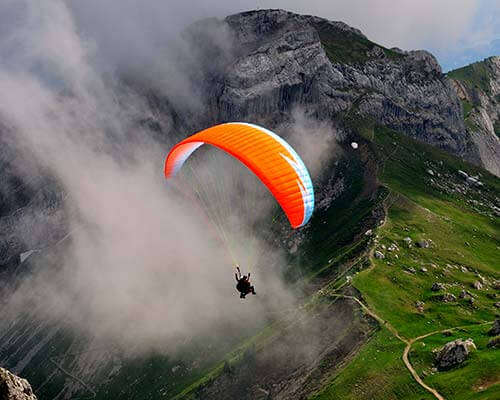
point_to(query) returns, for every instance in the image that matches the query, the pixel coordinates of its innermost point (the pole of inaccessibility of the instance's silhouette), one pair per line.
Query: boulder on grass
(436, 287)
(495, 329)
(453, 354)
(423, 244)
(378, 255)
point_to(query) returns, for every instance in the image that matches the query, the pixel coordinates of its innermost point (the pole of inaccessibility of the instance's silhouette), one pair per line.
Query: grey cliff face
(484, 118)
(282, 60)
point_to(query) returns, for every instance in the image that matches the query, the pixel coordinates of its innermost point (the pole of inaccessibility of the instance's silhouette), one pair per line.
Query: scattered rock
(495, 329)
(430, 172)
(495, 342)
(354, 145)
(462, 294)
(497, 304)
(463, 174)
(420, 306)
(411, 270)
(14, 388)
(393, 247)
(477, 285)
(463, 269)
(175, 368)
(447, 298)
(423, 269)
(454, 353)
(368, 232)
(473, 181)
(378, 255)
(423, 244)
(436, 287)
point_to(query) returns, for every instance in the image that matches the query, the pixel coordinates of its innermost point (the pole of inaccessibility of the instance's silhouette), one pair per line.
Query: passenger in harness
(243, 286)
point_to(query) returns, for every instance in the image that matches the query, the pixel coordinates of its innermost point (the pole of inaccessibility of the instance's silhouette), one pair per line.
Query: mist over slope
(97, 252)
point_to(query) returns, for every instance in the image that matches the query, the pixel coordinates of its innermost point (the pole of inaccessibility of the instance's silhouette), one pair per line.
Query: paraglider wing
(266, 154)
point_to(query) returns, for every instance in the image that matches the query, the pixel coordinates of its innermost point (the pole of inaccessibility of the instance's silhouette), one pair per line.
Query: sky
(456, 31)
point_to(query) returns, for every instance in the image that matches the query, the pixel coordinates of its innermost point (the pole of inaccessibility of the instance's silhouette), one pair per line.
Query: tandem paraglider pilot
(243, 286)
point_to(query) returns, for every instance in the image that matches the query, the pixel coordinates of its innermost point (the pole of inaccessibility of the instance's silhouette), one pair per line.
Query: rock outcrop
(14, 388)
(454, 353)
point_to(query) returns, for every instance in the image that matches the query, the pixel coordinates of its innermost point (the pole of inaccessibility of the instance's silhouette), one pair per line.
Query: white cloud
(144, 28)
(140, 268)
(131, 258)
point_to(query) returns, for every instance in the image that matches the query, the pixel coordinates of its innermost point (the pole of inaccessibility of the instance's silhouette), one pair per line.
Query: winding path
(412, 370)
(54, 360)
(408, 342)
(87, 387)
(408, 348)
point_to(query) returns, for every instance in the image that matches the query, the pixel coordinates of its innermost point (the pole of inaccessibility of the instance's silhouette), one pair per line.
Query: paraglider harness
(243, 286)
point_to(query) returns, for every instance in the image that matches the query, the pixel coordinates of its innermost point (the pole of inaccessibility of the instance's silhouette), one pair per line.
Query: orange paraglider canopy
(266, 154)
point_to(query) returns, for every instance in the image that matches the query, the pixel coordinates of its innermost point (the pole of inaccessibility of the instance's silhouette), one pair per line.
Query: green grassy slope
(464, 247)
(332, 244)
(464, 234)
(349, 47)
(459, 222)
(475, 75)
(477, 379)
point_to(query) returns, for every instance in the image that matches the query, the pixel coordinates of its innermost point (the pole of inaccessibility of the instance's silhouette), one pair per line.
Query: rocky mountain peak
(259, 23)
(281, 61)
